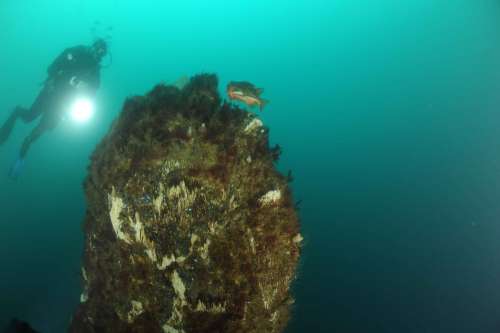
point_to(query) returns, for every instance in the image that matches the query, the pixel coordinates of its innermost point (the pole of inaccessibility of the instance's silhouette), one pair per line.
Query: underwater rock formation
(189, 226)
(18, 326)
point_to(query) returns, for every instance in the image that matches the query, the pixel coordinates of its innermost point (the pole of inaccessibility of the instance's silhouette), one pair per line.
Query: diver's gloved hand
(16, 168)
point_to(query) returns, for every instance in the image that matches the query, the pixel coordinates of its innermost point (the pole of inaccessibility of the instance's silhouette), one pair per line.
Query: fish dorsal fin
(246, 85)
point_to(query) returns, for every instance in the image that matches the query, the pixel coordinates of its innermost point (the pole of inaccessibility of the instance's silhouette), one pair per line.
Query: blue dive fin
(16, 168)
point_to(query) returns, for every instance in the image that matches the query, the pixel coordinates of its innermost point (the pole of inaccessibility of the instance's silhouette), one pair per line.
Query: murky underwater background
(388, 115)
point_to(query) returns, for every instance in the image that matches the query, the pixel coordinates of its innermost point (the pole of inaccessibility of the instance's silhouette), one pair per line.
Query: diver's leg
(7, 127)
(27, 115)
(10, 122)
(36, 109)
(32, 137)
(15, 169)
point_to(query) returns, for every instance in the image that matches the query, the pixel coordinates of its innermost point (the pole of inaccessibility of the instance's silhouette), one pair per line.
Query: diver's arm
(95, 79)
(91, 80)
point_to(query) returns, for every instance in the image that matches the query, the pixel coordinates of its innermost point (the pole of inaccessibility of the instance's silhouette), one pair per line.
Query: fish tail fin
(263, 103)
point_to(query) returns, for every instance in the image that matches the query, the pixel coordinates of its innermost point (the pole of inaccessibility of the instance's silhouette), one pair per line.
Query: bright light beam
(82, 110)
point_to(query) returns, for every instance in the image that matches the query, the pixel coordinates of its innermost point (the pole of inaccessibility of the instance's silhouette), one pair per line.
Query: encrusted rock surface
(189, 226)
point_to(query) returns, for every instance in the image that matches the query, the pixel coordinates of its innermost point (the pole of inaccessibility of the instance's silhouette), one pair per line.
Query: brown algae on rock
(189, 226)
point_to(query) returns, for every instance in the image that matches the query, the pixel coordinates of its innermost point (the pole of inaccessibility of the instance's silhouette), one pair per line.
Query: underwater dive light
(82, 110)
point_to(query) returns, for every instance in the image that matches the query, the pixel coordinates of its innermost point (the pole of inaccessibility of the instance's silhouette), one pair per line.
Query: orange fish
(246, 93)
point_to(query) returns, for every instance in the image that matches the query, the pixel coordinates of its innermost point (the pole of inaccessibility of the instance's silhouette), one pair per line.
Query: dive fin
(16, 168)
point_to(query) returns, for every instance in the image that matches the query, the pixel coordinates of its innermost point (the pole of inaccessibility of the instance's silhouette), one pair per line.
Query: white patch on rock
(194, 238)
(84, 296)
(203, 128)
(170, 165)
(169, 329)
(117, 206)
(268, 295)
(84, 274)
(214, 308)
(178, 303)
(274, 317)
(252, 244)
(151, 253)
(139, 235)
(233, 203)
(166, 261)
(180, 259)
(178, 285)
(270, 197)
(204, 250)
(159, 200)
(255, 124)
(136, 310)
(182, 196)
(298, 238)
(138, 227)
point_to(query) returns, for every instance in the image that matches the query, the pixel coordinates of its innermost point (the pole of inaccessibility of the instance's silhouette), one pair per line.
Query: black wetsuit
(72, 67)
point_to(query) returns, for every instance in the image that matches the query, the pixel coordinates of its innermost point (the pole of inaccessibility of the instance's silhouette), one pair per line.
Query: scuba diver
(75, 71)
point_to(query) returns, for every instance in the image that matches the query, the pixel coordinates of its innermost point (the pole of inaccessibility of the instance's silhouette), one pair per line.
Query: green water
(388, 115)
